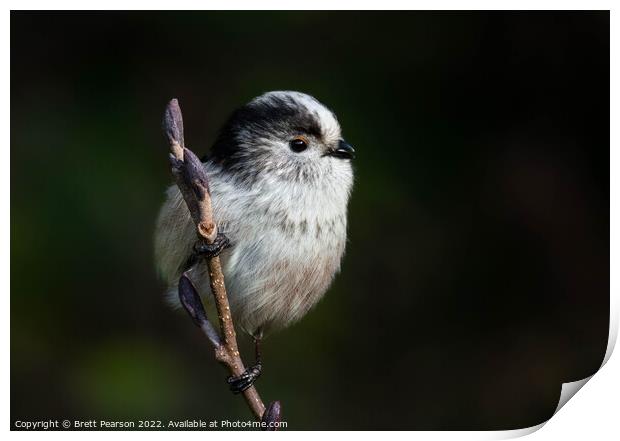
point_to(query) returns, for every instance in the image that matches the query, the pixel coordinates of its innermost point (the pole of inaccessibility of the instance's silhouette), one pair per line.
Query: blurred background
(476, 279)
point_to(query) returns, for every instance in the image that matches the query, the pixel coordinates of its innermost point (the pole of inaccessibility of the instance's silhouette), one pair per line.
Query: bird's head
(284, 135)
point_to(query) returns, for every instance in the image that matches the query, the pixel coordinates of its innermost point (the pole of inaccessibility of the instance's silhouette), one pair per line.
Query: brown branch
(191, 178)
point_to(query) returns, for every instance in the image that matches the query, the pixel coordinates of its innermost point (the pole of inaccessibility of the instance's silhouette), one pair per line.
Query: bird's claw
(245, 380)
(210, 250)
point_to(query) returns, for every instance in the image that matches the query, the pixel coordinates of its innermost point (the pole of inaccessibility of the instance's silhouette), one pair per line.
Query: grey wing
(175, 236)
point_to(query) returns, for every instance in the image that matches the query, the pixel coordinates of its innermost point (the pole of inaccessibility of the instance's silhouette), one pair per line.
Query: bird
(281, 176)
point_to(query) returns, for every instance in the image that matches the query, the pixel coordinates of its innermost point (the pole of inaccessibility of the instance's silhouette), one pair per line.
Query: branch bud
(273, 414)
(173, 123)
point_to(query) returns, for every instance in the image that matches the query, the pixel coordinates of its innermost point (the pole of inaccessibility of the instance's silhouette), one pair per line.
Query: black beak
(344, 151)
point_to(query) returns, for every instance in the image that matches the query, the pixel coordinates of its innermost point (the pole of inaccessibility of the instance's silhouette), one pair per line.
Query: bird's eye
(299, 144)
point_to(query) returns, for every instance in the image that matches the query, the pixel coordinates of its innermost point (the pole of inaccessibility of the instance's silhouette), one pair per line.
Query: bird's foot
(245, 380)
(207, 250)
(210, 250)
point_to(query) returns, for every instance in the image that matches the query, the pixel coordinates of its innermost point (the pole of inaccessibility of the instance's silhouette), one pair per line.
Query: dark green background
(476, 278)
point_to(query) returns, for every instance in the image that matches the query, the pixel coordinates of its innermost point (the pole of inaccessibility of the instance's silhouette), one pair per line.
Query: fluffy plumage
(285, 212)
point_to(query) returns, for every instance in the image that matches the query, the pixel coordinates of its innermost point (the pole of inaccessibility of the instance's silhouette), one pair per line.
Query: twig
(191, 178)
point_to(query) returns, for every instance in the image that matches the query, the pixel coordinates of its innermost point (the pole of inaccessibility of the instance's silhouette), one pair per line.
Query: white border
(594, 414)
